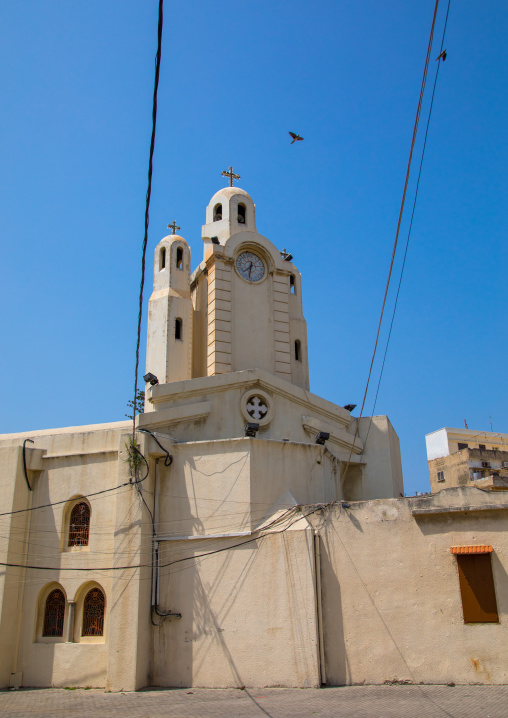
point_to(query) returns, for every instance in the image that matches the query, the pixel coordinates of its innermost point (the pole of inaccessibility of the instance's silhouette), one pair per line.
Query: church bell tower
(240, 309)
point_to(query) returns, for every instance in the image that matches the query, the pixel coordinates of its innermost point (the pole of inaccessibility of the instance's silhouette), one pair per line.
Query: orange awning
(471, 549)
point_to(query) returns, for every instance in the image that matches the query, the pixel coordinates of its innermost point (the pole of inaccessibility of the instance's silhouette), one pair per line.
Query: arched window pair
(241, 215)
(179, 258)
(93, 614)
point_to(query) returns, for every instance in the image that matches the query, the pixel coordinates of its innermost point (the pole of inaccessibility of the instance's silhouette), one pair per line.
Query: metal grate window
(79, 528)
(54, 612)
(93, 613)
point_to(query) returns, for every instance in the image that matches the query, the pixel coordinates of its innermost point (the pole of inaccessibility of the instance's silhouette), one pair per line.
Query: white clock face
(250, 266)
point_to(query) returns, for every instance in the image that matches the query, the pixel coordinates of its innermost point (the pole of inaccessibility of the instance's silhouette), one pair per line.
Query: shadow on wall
(336, 662)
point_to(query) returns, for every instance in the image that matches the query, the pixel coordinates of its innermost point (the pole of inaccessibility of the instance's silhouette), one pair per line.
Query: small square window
(462, 446)
(481, 446)
(440, 476)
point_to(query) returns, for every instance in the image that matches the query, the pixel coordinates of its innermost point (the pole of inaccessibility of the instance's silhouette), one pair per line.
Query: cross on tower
(173, 227)
(231, 176)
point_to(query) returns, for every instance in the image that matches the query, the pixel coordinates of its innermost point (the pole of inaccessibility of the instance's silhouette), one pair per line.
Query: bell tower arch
(169, 338)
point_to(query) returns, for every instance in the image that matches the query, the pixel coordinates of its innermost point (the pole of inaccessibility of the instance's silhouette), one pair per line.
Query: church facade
(261, 536)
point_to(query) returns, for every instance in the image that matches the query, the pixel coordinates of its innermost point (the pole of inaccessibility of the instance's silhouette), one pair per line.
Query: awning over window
(471, 549)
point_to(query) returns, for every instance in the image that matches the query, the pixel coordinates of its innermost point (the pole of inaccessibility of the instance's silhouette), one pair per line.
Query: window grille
(79, 528)
(93, 613)
(54, 612)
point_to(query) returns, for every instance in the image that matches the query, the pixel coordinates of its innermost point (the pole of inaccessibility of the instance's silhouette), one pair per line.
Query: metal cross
(173, 227)
(231, 176)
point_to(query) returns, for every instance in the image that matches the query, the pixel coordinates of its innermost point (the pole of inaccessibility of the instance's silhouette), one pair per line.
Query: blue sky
(75, 124)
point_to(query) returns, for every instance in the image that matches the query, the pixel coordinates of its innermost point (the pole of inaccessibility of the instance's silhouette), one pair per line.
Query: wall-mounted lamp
(345, 505)
(322, 437)
(151, 378)
(251, 428)
(215, 240)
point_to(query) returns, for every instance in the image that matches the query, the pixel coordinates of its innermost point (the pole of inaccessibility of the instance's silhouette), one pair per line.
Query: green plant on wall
(134, 458)
(139, 405)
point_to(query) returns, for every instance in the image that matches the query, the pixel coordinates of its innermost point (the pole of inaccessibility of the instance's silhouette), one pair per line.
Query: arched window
(179, 258)
(292, 288)
(93, 613)
(54, 612)
(241, 214)
(217, 213)
(162, 259)
(178, 328)
(298, 351)
(79, 525)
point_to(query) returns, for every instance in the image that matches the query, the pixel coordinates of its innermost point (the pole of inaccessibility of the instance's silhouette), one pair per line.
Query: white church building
(261, 539)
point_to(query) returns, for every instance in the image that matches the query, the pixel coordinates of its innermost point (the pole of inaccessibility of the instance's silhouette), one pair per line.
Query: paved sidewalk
(345, 702)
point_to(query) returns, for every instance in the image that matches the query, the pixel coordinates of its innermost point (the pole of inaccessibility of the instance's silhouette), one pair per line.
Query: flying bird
(295, 137)
(442, 55)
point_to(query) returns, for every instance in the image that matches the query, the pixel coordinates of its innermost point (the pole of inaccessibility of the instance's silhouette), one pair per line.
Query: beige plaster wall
(248, 614)
(391, 600)
(74, 463)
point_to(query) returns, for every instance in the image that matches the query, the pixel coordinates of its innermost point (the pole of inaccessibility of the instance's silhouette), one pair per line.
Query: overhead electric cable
(394, 250)
(413, 140)
(147, 206)
(170, 563)
(411, 222)
(65, 501)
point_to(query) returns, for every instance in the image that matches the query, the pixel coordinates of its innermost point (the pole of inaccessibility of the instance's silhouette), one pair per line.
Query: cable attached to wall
(24, 463)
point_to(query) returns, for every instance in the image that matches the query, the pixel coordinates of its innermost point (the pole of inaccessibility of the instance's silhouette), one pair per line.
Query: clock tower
(246, 298)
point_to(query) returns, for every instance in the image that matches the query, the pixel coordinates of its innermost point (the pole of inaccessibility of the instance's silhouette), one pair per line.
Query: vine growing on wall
(134, 458)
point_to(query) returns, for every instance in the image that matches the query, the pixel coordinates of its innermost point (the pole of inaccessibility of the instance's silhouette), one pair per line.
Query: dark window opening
(477, 588)
(179, 258)
(241, 214)
(54, 612)
(298, 352)
(93, 613)
(178, 329)
(440, 476)
(217, 213)
(462, 446)
(162, 259)
(292, 288)
(79, 525)
(481, 446)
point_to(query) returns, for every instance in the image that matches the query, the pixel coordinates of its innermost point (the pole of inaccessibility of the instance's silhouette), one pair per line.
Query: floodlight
(322, 437)
(215, 240)
(251, 428)
(350, 407)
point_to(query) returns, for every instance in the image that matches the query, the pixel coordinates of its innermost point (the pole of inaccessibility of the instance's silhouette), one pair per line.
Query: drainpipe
(319, 606)
(155, 546)
(22, 577)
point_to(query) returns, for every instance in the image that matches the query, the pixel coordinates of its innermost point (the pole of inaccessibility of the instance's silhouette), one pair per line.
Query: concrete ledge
(458, 509)
(175, 415)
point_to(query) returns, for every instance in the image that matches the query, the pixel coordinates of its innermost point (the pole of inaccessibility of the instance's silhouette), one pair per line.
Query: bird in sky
(442, 55)
(295, 137)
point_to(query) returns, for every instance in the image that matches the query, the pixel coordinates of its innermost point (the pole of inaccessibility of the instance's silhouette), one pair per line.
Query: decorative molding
(174, 415)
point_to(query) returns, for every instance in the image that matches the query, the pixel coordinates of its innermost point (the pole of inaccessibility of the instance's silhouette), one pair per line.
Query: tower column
(282, 335)
(218, 358)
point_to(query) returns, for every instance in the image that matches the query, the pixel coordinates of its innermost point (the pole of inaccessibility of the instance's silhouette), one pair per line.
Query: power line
(394, 250)
(147, 207)
(411, 222)
(64, 501)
